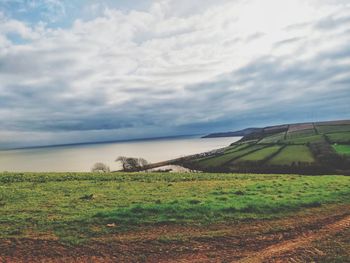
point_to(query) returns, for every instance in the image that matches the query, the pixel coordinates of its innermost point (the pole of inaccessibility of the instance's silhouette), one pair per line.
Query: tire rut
(303, 241)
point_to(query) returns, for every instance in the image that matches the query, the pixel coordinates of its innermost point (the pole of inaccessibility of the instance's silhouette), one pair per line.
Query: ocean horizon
(80, 157)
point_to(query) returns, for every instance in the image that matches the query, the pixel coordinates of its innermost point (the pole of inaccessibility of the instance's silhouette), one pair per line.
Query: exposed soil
(291, 239)
(304, 241)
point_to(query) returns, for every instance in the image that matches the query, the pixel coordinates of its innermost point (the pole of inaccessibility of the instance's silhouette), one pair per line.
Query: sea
(81, 157)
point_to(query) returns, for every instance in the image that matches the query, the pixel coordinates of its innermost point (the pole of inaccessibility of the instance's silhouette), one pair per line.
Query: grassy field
(309, 150)
(293, 154)
(304, 140)
(260, 155)
(332, 128)
(342, 149)
(273, 138)
(339, 137)
(236, 148)
(227, 157)
(77, 207)
(301, 133)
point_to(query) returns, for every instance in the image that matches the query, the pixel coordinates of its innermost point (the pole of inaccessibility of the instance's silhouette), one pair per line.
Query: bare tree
(100, 168)
(142, 162)
(123, 161)
(130, 163)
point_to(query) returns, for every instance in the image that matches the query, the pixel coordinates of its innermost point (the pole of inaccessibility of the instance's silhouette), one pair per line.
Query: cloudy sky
(85, 70)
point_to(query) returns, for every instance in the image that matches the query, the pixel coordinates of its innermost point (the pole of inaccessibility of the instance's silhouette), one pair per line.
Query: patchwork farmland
(306, 148)
(192, 217)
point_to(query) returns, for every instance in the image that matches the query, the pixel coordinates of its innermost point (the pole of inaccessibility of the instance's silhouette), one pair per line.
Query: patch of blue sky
(62, 13)
(17, 39)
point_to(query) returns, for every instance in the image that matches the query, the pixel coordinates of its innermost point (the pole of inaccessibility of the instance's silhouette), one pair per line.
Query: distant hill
(304, 148)
(233, 133)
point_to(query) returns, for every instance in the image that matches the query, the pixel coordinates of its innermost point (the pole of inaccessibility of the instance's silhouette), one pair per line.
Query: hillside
(306, 148)
(243, 132)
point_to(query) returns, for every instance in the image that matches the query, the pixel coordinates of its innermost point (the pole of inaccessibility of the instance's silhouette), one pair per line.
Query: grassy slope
(236, 148)
(273, 138)
(222, 159)
(306, 139)
(52, 204)
(260, 155)
(342, 149)
(293, 153)
(339, 137)
(332, 128)
(308, 146)
(302, 133)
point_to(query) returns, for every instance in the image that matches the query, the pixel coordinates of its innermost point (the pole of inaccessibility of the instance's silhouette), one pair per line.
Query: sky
(83, 70)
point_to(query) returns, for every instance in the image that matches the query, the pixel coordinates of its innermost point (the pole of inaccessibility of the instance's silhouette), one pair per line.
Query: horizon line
(99, 142)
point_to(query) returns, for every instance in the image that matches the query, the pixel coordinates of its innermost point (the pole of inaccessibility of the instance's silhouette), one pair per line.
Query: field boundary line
(271, 156)
(316, 131)
(242, 155)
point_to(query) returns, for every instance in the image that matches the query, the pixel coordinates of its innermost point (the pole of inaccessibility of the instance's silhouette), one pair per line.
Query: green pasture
(339, 137)
(305, 140)
(273, 138)
(342, 149)
(259, 155)
(77, 207)
(293, 154)
(333, 128)
(222, 159)
(301, 133)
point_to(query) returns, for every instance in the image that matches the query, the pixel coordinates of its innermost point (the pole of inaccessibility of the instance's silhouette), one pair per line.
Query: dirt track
(302, 241)
(252, 241)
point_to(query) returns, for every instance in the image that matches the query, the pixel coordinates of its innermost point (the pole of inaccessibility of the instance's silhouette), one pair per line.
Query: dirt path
(303, 241)
(276, 240)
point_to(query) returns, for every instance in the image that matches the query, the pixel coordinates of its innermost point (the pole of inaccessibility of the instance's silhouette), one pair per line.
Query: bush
(100, 168)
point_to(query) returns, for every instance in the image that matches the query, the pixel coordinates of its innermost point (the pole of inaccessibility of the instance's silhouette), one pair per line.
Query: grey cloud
(91, 83)
(271, 86)
(298, 26)
(333, 22)
(254, 36)
(287, 41)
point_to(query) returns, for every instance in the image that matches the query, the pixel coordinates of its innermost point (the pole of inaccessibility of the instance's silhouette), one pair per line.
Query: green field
(301, 133)
(308, 150)
(259, 155)
(222, 159)
(304, 140)
(342, 149)
(339, 137)
(61, 205)
(236, 148)
(332, 128)
(273, 138)
(293, 154)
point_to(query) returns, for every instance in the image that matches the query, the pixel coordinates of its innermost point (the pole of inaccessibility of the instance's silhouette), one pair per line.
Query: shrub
(100, 168)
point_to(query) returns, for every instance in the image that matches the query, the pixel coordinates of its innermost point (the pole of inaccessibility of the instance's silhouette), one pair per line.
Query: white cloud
(136, 69)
